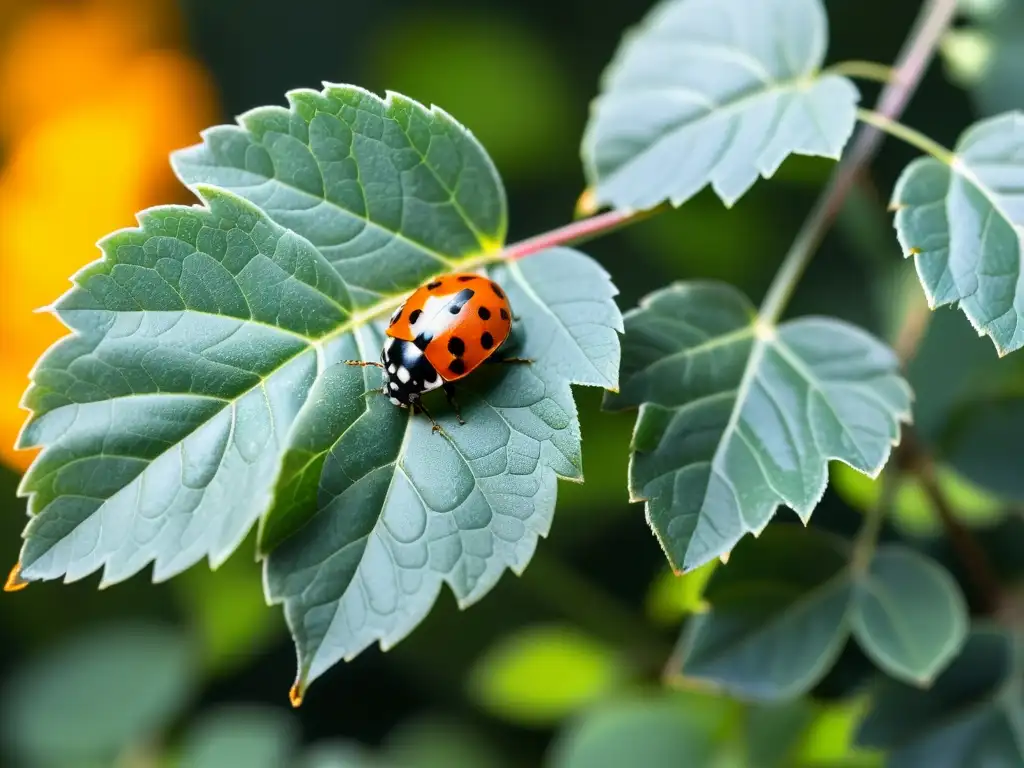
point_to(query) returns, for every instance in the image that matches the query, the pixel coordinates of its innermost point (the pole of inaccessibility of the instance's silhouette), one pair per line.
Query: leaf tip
(914, 251)
(896, 206)
(296, 694)
(15, 583)
(724, 557)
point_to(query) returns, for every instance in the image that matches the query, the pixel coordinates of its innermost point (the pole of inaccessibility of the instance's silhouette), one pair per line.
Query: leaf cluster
(203, 392)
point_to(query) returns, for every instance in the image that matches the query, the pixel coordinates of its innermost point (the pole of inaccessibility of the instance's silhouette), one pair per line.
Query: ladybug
(444, 331)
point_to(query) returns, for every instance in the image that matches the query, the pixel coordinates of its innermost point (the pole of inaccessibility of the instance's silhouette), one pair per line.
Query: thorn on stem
(586, 205)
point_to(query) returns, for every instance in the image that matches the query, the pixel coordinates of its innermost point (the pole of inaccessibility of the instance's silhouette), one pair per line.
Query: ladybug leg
(435, 427)
(509, 360)
(363, 363)
(449, 393)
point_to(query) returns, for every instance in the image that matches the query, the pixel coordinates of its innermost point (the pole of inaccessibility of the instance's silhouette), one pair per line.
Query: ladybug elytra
(445, 330)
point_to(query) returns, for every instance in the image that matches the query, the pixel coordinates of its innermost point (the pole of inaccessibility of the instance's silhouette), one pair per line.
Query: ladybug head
(407, 372)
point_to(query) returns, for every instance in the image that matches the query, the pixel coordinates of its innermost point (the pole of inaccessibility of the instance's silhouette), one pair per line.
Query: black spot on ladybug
(459, 300)
(433, 285)
(497, 290)
(456, 346)
(484, 312)
(486, 341)
(504, 314)
(457, 367)
(423, 339)
(466, 278)
(414, 316)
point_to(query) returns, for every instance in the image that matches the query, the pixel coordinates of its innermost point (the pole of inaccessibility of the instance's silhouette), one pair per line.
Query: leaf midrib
(355, 320)
(700, 348)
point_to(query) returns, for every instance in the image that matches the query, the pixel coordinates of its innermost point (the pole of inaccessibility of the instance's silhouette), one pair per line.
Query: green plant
(204, 390)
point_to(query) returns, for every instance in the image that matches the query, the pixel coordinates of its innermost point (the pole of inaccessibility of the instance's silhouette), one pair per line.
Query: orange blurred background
(94, 94)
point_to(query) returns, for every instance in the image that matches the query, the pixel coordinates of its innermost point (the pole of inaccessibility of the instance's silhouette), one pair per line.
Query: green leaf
(909, 615)
(736, 418)
(665, 732)
(96, 694)
(390, 522)
(165, 415)
(961, 223)
(541, 674)
(971, 716)
(777, 619)
(205, 386)
(714, 91)
(254, 737)
(387, 191)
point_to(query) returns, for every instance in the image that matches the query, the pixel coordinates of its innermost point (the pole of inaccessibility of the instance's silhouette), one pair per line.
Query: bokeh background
(93, 96)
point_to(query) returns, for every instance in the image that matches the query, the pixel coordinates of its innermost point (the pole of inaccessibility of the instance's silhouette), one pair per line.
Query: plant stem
(865, 70)
(577, 232)
(917, 53)
(905, 133)
(988, 590)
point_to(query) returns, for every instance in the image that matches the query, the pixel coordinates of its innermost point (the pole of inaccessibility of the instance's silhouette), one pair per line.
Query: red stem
(577, 232)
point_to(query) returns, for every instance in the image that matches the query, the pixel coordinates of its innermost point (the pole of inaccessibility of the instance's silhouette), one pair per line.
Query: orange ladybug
(444, 331)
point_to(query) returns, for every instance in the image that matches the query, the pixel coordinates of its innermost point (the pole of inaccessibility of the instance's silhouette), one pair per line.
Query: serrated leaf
(389, 192)
(392, 512)
(204, 384)
(962, 223)
(714, 91)
(164, 416)
(971, 716)
(777, 618)
(736, 419)
(909, 615)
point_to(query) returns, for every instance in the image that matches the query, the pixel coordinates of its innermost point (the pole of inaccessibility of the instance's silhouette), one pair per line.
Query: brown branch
(915, 459)
(577, 232)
